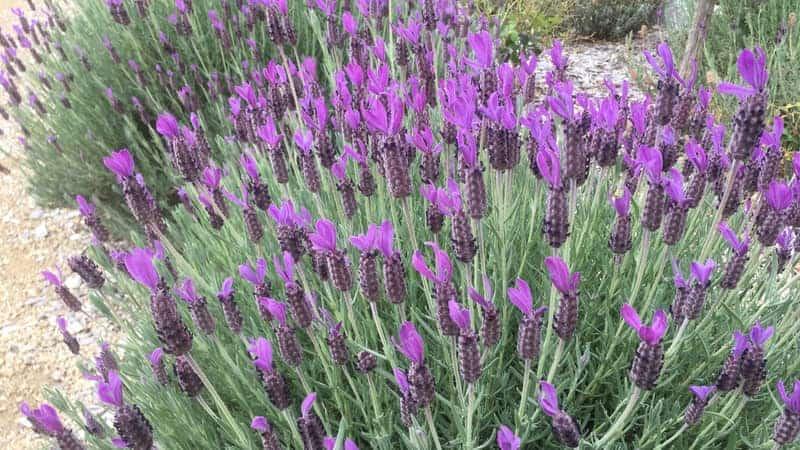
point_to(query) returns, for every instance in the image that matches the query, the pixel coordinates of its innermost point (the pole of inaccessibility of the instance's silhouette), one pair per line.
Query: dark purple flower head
(639, 115)
(459, 315)
(444, 268)
(650, 158)
(45, 417)
(254, 274)
(506, 439)
(565, 281)
(485, 300)
(167, 125)
(752, 66)
(261, 351)
(324, 238)
(739, 247)
(792, 402)
(410, 343)
(120, 163)
(187, 291)
(652, 334)
(760, 335)
(785, 238)
(550, 167)
(622, 204)
(483, 47)
(521, 297)
(110, 392)
(139, 264)
(778, 195)
(696, 155)
(701, 272)
(155, 356)
(702, 392)
(666, 68)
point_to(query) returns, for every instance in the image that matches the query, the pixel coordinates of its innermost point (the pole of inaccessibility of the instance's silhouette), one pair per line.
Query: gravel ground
(34, 239)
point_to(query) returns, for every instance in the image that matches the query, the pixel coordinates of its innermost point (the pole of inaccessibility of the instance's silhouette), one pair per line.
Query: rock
(40, 232)
(37, 213)
(73, 282)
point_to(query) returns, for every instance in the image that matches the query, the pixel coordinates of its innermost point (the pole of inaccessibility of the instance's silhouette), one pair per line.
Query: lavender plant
(338, 343)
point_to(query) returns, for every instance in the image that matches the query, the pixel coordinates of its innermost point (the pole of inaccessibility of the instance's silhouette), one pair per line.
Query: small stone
(37, 213)
(73, 281)
(40, 232)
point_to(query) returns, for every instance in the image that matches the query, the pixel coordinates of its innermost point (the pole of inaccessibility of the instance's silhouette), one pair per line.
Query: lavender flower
(735, 266)
(653, 211)
(771, 218)
(490, 325)
(529, 335)
(62, 291)
(565, 428)
(788, 425)
(324, 240)
(233, 317)
(189, 382)
(274, 383)
(556, 219)
(729, 374)
(133, 428)
(256, 276)
(754, 363)
(444, 290)
(700, 398)
(295, 295)
(91, 219)
(69, 339)
(156, 359)
(507, 440)
(368, 266)
(649, 357)
(565, 320)
(45, 420)
(197, 307)
(87, 270)
(269, 439)
(749, 119)
(420, 379)
(620, 240)
(469, 357)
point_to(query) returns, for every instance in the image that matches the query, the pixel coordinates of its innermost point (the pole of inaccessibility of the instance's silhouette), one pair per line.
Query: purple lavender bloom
(754, 363)
(649, 357)
(787, 427)
(62, 291)
(700, 398)
(565, 320)
(506, 439)
(529, 333)
(565, 429)
(735, 266)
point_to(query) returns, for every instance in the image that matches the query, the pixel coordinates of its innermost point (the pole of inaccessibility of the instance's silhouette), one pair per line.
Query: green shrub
(91, 127)
(612, 19)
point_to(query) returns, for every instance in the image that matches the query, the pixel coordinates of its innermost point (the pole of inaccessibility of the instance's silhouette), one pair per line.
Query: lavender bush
(407, 242)
(92, 75)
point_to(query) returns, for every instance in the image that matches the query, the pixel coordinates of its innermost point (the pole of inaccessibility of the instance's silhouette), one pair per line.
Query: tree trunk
(697, 35)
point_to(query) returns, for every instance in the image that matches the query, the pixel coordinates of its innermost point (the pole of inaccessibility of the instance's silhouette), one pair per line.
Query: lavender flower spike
(749, 117)
(420, 379)
(754, 362)
(700, 398)
(45, 420)
(566, 319)
(62, 291)
(529, 334)
(469, 356)
(787, 427)
(649, 357)
(565, 429)
(728, 378)
(69, 339)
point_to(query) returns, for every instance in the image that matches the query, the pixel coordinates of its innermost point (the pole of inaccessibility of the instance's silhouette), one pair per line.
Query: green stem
(673, 437)
(619, 425)
(432, 426)
(523, 398)
(468, 442)
(556, 360)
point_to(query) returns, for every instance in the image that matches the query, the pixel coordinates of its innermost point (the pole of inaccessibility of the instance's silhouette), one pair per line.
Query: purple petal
(521, 297)
(630, 316)
(139, 263)
(411, 344)
(459, 315)
(402, 380)
(506, 439)
(308, 403)
(548, 399)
